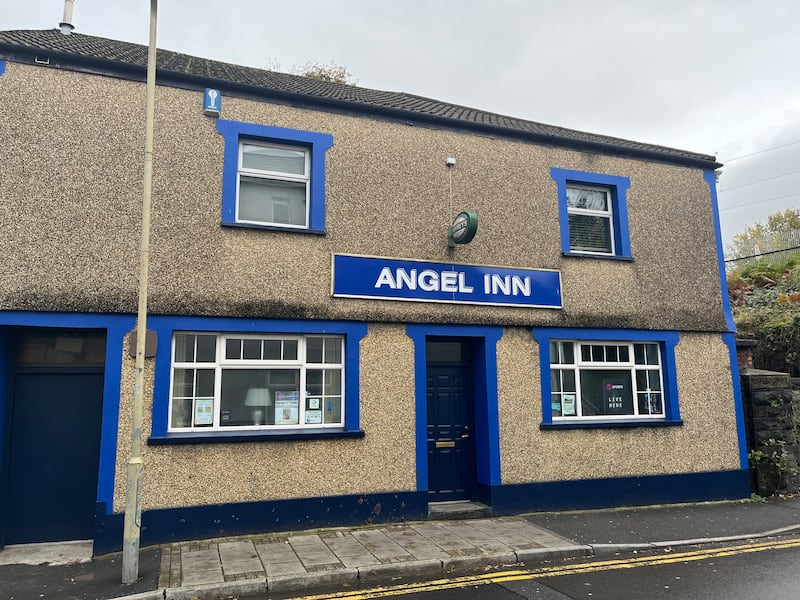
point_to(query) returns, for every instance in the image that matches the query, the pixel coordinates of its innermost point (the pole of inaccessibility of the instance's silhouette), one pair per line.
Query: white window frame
(630, 365)
(221, 363)
(305, 178)
(604, 214)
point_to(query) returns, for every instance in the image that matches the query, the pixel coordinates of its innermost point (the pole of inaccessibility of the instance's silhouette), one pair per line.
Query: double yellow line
(573, 569)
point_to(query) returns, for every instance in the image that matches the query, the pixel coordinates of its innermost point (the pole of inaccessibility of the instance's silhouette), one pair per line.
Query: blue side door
(451, 453)
(53, 451)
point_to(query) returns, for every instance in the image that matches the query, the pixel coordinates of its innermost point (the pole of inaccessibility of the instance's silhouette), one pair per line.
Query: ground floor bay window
(222, 381)
(608, 377)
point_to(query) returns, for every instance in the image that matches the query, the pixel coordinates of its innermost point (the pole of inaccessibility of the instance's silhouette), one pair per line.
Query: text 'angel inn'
(361, 304)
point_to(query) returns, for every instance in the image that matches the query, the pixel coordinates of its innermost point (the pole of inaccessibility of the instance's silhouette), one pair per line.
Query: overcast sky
(715, 76)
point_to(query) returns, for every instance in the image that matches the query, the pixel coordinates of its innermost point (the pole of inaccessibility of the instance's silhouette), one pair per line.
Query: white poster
(204, 412)
(287, 408)
(568, 405)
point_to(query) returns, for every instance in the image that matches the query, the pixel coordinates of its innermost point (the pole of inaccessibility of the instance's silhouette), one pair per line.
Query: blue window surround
(318, 143)
(667, 339)
(164, 328)
(2, 67)
(729, 338)
(487, 428)
(116, 326)
(619, 208)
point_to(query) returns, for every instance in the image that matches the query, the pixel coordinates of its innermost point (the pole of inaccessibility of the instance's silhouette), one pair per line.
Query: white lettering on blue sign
(427, 280)
(421, 281)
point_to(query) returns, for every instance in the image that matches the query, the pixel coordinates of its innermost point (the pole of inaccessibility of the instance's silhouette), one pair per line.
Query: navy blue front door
(451, 462)
(54, 452)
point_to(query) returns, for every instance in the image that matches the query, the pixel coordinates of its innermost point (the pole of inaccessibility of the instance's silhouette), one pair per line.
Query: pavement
(298, 562)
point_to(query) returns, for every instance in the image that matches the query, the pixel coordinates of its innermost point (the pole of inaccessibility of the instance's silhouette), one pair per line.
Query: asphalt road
(741, 571)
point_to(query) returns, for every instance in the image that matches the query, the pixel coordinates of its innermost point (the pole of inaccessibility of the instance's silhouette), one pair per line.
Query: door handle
(464, 436)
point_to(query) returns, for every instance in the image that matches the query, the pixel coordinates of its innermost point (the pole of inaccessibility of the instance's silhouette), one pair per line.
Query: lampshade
(257, 397)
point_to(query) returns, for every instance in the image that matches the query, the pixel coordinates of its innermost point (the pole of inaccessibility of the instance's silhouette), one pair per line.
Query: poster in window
(614, 394)
(287, 408)
(313, 417)
(568, 405)
(204, 412)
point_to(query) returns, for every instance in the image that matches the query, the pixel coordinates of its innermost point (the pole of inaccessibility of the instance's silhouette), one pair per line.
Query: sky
(721, 77)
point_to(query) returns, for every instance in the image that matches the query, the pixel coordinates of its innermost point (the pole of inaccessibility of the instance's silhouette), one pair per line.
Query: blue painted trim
(611, 424)
(619, 491)
(711, 180)
(738, 404)
(167, 525)
(164, 326)
(116, 327)
(2, 67)
(667, 339)
(487, 427)
(600, 256)
(619, 206)
(233, 131)
(251, 436)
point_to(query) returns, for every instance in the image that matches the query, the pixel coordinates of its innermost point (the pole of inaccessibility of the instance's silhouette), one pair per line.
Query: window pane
(251, 349)
(269, 158)
(589, 233)
(646, 354)
(206, 348)
(567, 353)
(586, 352)
(606, 392)
(272, 350)
(233, 348)
(612, 355)
(555, 404)
(333, 410)
(314, 382)
(555, 380)
(624, 355)
(333, 382)
(183, 383)
(587, 199)
(650, 404)
(289, 349)
(314, 350)
(205, 382)
(597, 354)
(555, 357)
(333, 350)
(652, 354)
(568, 380)
(272, 201)
(184, 347)
(182, 412)
(255, 396)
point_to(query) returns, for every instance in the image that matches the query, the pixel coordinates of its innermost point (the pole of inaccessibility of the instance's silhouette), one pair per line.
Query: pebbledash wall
(70, 183)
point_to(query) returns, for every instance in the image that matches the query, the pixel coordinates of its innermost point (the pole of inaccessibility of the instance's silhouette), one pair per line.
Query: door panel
(451, 465)
(54, 455)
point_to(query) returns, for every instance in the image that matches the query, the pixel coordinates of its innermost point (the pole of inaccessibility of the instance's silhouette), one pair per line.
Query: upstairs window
(273, 185)
(273, 178)
(593, 214)
(591, 226)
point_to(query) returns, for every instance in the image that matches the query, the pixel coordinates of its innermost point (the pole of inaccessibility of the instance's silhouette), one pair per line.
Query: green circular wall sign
(464, 227)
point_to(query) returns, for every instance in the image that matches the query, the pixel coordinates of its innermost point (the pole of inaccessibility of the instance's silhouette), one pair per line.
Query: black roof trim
(127, 60)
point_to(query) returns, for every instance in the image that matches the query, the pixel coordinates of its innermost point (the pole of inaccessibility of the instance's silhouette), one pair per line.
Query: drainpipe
(133, 493)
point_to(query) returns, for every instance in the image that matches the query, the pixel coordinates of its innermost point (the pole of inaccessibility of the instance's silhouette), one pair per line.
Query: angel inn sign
(419, 281)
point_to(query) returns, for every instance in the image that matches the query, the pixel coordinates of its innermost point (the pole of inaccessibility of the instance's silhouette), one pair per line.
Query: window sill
(600, 256)
(229, 437)
(274, 228)
(610, 424)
